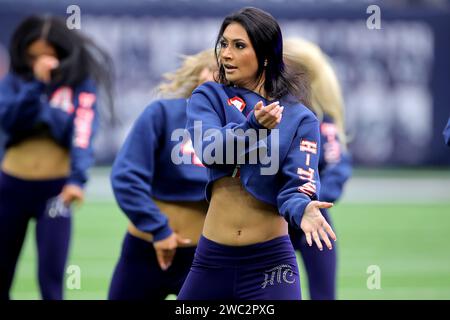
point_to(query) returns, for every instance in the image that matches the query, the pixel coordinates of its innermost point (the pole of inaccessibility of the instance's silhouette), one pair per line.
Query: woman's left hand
(314, 224)
(268, 116)
(71, 193)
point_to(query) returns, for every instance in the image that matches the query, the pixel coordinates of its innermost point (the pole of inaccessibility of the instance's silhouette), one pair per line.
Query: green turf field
(408, 242)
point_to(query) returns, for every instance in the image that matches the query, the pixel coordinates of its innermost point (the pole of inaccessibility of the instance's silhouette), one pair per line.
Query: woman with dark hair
(334, 160)
(48, 110)
(163, 198)
(245, 251)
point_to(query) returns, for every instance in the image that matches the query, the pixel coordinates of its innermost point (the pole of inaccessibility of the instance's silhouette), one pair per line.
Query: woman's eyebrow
(237, 39)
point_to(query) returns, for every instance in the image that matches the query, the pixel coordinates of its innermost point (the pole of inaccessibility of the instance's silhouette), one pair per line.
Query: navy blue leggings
(21, 200)
(320, 266)
(261, 271)
(138, 276)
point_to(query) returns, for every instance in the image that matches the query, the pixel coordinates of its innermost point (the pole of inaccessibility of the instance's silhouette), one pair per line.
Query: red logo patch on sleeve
(237, 102)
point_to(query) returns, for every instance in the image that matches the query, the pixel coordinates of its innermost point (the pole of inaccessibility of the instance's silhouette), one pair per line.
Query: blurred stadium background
(395, 213)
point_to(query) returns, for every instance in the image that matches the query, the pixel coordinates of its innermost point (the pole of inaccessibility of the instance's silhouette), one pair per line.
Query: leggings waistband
(213, 253)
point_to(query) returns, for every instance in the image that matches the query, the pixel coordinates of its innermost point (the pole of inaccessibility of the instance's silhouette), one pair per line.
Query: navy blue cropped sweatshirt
(68, 115)
(216, 113)
(149, 165)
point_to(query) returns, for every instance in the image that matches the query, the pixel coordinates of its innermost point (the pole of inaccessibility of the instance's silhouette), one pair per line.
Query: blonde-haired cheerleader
(159, 185)
(334, 162)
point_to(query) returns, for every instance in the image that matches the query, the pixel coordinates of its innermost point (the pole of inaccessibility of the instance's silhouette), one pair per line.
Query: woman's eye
(240, 45)
(223, 44)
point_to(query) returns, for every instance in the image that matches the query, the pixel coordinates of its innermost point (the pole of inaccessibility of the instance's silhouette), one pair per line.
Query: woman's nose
(226, 53)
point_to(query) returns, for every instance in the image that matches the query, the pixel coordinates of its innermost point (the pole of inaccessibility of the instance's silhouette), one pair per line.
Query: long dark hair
(80, 58)
(267, 40)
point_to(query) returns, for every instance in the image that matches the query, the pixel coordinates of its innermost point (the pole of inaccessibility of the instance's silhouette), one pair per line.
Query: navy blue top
(447, 133)
(335, 166)
(219, 112)
(68, 115)
(157, 160)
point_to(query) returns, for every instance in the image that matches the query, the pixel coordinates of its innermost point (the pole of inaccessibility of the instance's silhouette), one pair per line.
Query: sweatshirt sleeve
(84, 128)
(216, 144)
(132, 174)
(20, 103)
(447, 133)
(335, 164)
(299, 173)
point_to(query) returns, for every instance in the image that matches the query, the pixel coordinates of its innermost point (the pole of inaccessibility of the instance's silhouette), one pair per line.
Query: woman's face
(39, 48)
(238, 56)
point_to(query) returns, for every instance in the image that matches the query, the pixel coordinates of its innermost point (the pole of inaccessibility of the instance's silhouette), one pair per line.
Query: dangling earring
(265, 63)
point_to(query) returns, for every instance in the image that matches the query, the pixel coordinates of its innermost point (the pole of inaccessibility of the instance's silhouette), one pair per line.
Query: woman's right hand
(268, 116)
(43, 66)
(315, 226)
(165, 249)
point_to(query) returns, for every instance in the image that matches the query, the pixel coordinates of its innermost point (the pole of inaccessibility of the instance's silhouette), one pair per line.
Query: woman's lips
(229, 67)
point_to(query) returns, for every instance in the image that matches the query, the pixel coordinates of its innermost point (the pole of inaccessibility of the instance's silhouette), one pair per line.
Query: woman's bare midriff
(237, 218)
(185, 218)
(37, 159)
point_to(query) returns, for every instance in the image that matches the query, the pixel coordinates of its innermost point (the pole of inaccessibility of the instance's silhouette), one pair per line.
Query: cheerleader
(163, 199)
(48, 110)
(334, 160)
(245, 251)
